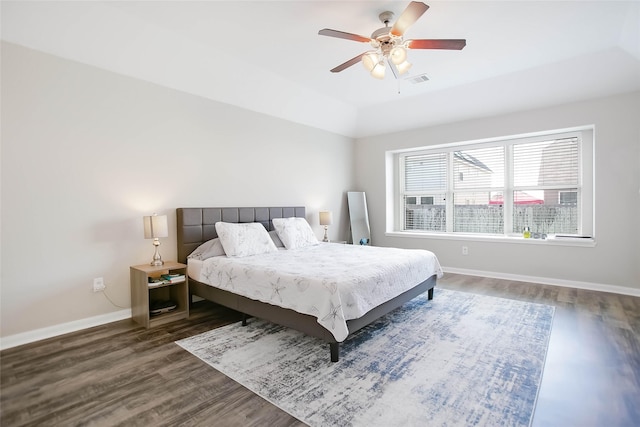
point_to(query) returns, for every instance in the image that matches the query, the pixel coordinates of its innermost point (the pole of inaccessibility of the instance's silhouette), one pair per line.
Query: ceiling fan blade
(348, 64)
(408, 17)
(343, 35)
(452, 44)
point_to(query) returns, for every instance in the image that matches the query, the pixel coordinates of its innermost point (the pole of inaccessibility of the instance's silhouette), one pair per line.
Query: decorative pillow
(294, 232)
(208, 249)
(276, 239)
(239, 240)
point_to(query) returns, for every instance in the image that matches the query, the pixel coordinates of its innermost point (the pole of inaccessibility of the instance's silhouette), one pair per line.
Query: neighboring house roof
(468, 158)
(523, 199)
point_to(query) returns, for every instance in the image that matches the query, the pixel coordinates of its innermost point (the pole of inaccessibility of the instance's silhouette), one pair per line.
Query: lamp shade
(369, 60)
(403, 67)
(326, 218)
(155, 226)
(378, 70)
(398, 55)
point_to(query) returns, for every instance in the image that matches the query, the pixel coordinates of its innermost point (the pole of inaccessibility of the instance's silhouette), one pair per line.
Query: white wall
(86, 153)
(613, 263)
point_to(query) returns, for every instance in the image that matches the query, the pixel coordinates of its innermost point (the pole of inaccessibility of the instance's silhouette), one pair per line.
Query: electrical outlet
(465, 250)
(98, 284)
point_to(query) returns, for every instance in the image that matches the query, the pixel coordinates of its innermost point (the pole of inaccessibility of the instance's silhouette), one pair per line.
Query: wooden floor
(121, 374)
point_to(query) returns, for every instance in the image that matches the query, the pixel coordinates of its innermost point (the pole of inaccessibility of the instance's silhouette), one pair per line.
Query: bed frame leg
(430, 294)
(334, 348)
(244, 319)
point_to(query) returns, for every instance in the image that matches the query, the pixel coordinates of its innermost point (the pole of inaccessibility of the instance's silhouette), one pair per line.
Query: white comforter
(333, 282)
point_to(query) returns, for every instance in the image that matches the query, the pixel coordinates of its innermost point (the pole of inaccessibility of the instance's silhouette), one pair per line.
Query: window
(568, 197)
(498, 187)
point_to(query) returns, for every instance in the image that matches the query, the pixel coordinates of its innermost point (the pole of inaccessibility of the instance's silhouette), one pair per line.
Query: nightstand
(143, 293)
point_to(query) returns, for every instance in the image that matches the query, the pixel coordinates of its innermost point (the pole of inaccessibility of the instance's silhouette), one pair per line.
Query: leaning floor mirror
(359, 218)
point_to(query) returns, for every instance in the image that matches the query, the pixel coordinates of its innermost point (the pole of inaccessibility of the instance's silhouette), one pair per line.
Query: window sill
(577, 241)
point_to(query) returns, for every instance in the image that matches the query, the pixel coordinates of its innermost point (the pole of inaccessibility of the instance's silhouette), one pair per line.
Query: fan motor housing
(383, 39)
(383, 35)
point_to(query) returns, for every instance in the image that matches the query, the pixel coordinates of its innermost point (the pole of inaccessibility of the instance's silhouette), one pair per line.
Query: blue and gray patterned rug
(458, 360)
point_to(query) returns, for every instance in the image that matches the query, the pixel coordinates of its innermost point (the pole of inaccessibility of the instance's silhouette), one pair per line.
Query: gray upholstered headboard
(197, 225)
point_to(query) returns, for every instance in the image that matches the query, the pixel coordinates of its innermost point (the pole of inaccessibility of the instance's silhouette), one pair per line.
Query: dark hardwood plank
(122, 374)
(592, 371)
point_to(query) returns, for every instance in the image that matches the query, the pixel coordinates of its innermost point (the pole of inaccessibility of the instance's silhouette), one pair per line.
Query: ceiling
(267, 56)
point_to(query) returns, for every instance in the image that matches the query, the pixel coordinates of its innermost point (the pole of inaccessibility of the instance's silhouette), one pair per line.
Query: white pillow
(239, 240)
(294, 232)
(208, 249)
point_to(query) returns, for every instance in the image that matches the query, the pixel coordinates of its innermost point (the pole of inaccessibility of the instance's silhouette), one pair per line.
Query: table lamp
(155, 226)
(326, 218)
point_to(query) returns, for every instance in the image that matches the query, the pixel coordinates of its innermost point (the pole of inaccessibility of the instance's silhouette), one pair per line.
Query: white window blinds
(546, 190)
(494, 188)
(424, 194)
(427, 172)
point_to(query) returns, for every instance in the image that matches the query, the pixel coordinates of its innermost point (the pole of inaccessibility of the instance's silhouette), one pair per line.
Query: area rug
(458, 360)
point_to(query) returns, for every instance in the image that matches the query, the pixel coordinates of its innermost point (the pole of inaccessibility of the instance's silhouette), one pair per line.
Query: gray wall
(86, 153)
(613, 262)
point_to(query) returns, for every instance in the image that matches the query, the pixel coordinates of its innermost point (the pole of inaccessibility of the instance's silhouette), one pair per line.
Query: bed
(196, 226)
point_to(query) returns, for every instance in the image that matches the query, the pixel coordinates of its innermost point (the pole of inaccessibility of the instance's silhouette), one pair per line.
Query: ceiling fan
(389, 45)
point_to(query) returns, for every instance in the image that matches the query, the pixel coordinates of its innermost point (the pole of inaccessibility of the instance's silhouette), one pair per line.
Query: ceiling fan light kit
(404, 67)
(390, 47)
(398, 55)
(378, 70)
(370, 60)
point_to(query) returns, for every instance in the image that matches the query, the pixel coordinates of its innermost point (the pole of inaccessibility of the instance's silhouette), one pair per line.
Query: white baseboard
(547, 281)
(63, 328)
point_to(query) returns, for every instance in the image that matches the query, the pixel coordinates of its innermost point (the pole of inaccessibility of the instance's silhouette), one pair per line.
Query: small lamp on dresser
(326, 219)
(155, 226)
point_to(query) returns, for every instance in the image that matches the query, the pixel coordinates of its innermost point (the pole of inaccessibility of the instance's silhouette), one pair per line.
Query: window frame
(586, 177)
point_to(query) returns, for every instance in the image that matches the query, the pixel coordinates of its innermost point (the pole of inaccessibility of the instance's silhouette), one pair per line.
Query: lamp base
(326, 237)
(157, 259)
